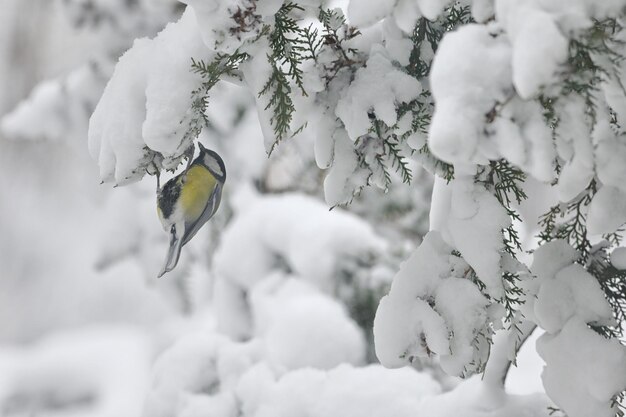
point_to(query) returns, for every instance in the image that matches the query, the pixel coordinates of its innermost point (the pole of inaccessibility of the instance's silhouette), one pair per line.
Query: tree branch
(500, 358)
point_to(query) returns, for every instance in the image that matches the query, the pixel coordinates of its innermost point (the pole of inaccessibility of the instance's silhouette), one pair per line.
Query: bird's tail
(173, 253)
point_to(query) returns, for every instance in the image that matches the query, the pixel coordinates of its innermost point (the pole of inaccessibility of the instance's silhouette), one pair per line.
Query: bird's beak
(202, 148)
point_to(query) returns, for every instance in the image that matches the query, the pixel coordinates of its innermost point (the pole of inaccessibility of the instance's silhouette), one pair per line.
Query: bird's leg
(158, 175)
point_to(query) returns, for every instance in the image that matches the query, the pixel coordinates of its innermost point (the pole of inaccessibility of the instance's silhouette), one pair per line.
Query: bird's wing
(213, 203)
(173, 253)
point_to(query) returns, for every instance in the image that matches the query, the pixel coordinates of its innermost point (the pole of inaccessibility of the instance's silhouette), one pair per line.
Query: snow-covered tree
(515, 109)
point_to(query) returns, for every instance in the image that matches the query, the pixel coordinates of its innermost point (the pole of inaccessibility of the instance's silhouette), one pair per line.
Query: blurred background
(86, 329)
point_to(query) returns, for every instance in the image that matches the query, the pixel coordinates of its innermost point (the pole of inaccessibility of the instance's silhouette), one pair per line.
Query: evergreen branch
(332, 20)
(211, 73)
(381, 164)
(291, 45)
(506, 182)
(574, 228)
(442, 168)
(391, 149)
(280, 101)
(288, 46)
(313, 42)
(613, 283)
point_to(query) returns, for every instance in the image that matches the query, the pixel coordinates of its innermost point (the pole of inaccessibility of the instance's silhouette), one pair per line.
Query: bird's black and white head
(213, 162)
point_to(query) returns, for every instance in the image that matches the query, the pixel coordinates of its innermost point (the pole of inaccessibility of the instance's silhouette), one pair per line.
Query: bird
(187, 201)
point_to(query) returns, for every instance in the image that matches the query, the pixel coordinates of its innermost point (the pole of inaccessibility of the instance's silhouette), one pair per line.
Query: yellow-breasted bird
(188, 200)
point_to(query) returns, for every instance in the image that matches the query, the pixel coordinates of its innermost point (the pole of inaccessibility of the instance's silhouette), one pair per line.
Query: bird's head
(213, 162)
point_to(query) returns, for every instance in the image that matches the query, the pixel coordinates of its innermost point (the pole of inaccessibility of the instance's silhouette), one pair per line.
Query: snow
(256, 72)
(406, 331)
(324, 142)
(431, 9)
(379, 87)
(539, 48)
(573, 291)
(548, 261)
(523, 138)
(524, 375)
(346, 391)
(424, 312)
(362, 13)
(474, 77)
(198, 374)
(607, 211)
(99, 372)
(474, 225)
(618, 258)
(587, 388)
(551, 258)
(397, 44)
(277, 334)
(473, 399)
(574, 147)
(271, 226)
(406, 13)
(270, 231)
(144, 104)
(482, 10)
(609, 150)
(59, 106)
(339, 184)
(463, 307)
(302, 327)
(440, 204)
(403, 317)
(470, 74)
(214, 22)
(186, 368)
(562, 299)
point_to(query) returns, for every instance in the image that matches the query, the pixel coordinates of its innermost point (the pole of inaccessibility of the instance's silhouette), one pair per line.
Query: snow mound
(144, 111)
(377, 88)
(59, 106)
(302, 327)
(346, 391)
(298, 231)
(587, 388)
(95, 372)
(432, 308)
(563, 299)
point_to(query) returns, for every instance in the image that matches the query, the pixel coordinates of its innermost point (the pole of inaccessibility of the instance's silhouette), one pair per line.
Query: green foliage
(506, 183)
(280, 102)
(592, 59)
(289, 45)
(312, 42)
(569, 222)
(613, 283)
(392, 152)
(211, 73)
(421, 109)
(336, 33)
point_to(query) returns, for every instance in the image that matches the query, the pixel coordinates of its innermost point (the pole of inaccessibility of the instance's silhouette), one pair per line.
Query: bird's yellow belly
(194, 195)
